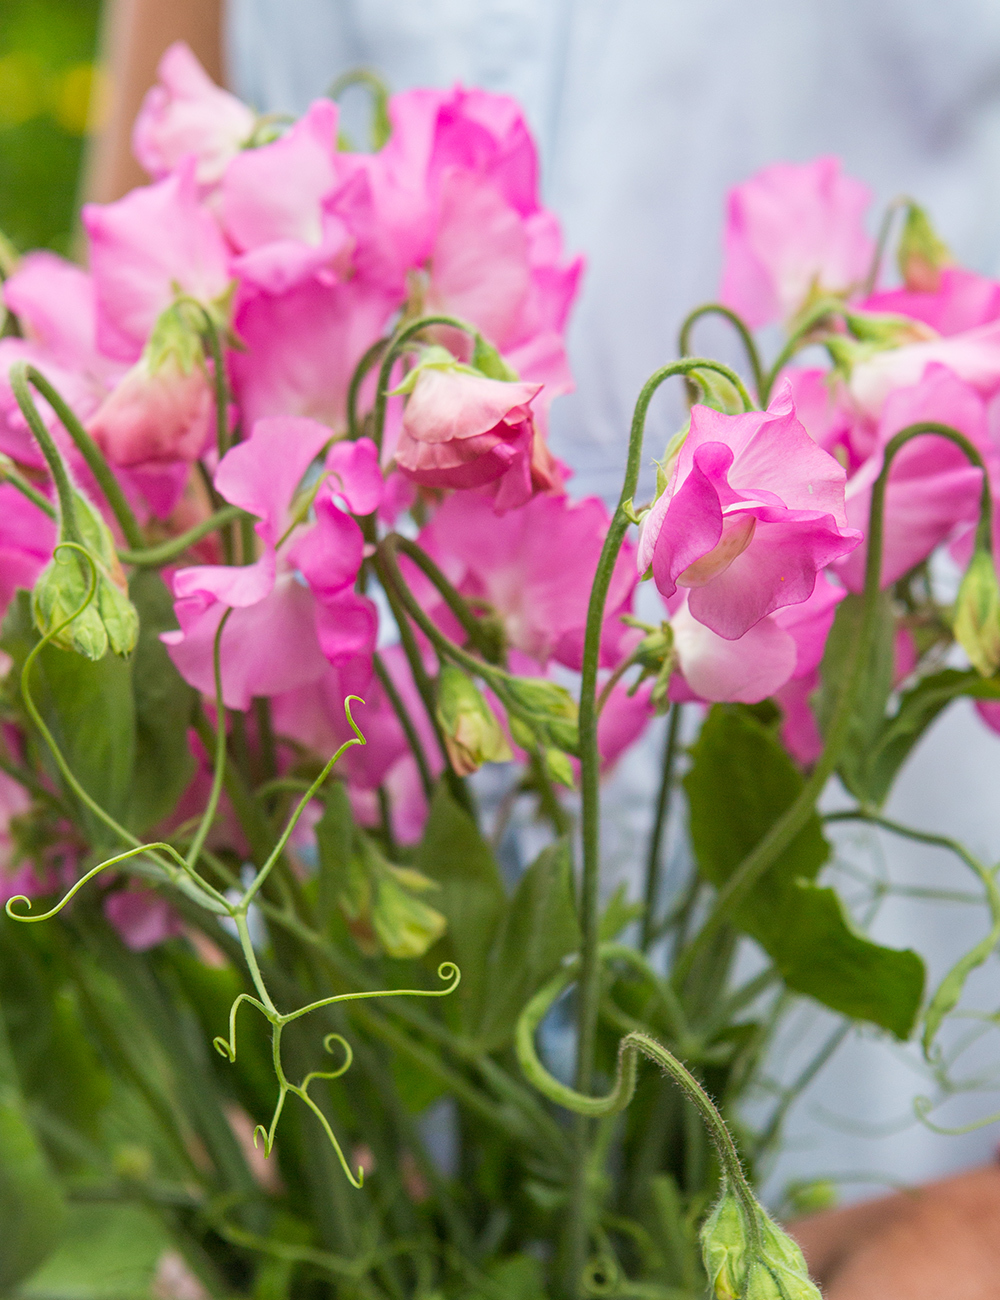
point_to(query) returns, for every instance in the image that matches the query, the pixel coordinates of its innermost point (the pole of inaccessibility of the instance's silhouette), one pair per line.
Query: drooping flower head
(752, 511)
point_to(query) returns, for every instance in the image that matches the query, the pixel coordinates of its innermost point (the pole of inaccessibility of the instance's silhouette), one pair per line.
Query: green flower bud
(547, 709)
(61, 588)
(922, 254)
(380, 904)
(559, 768)
(752, 1262)
(469, 726)
(977, 613)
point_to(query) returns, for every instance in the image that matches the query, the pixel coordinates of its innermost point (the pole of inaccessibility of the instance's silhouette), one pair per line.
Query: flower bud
(383, 914)
(548, 710)
(922, 254)
(977, 613)
(61, 588)
(752, 1262)
(162, 409)
(472, 735)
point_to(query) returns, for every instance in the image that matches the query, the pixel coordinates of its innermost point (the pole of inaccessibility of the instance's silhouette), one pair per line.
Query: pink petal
(745, 670)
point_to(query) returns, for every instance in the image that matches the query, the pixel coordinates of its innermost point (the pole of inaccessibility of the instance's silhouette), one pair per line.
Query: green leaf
(918, 707)
(31, 1205)
(163, 761)
(109, 1252)
(617, 915)
(740, 783)
(471, 897)
(537, 931)
(875, 688)
(88, 707)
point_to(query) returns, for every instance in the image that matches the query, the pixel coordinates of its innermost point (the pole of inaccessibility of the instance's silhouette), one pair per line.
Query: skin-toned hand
(135, 34)
(937, 1242)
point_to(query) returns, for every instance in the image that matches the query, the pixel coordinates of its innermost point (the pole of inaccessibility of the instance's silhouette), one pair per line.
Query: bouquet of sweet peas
(299, 606)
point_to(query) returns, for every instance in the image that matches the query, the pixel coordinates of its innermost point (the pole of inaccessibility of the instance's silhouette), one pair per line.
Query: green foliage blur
(47, 77)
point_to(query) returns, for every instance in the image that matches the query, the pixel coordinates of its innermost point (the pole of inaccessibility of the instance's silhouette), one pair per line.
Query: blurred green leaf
(740, 783)
(538, 929)
(31, 1203)
(164, 763)
(108, 1252)
(471, 897)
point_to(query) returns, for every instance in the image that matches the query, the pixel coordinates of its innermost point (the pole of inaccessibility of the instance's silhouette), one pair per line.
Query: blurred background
(51, 100)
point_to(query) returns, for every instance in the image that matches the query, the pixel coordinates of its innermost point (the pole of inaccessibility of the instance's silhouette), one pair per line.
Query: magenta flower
(963, 301)
(973, 355)
(27, 536)
(159, 415)
(143, 249)
(753, 510)
(793, 232)
(462, 430)
(294, 610)
(142, 918)
(534, 566)
(275, 206)
(932, 487)
(186, 113)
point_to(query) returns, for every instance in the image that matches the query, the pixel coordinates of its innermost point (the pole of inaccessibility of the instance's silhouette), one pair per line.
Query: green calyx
(976, 622)
(381, 905)
(471, 733)
(922, 254)
(748, 1257)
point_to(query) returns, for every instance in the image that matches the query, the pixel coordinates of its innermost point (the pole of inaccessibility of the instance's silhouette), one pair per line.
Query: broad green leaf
(108, 1252)
(31, 1204)
(875, 689)
(89, 709)
(917, 709)
(163, 760)
(537, 931)
(740, 783)
(471, 897)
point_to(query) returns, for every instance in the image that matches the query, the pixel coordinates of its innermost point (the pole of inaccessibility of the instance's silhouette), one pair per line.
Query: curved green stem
(8, 474)
(219, 772)
(784, 830)
(85, 444)
(817, 313)
(155, 557)
(747, 339)
(455, 601)
(19, 378)
(884, 230)
(361, 371)
(406, 722)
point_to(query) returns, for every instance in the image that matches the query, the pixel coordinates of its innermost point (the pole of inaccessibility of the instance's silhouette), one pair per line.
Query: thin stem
(19, 376)
(90, 452)
(749, 346)
(219, 773)
(155, 557)
(354, 388)
(455, 601)
(817, 313)
(884, 230)
(406, 722)
(652, 890)
(589, 982)
(10, 475)
(219, 385)
(784, 830)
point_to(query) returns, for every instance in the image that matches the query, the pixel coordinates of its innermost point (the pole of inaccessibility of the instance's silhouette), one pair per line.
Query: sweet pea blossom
(145, 247)
(932, 488)
(462, 430)
(534, 566)
(186, 113)
(962, 301)
(752, 511)
(793, 232)
(294, 611)
(973, 355)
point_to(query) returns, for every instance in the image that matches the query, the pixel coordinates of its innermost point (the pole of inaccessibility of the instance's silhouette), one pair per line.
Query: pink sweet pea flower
(187, 113)
(56, 307)
(27, 536)
(793, 232)
(973, 355)
(462, 430)
(932, 487)
(963, 301)
(534, 566)
(155, 415)
(284, 629)
(142, 918)
(753, 510)
(274, 210)
(145, 247)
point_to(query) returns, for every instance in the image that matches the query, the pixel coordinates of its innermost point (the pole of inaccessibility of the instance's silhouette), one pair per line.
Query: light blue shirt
(646, 112)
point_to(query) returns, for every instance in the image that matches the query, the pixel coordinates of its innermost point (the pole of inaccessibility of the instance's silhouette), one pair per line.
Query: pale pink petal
(745, 670)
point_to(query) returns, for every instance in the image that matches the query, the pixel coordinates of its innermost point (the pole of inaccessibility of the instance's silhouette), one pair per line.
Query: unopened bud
(380, 904)
(977, 613)
(548, 710)
(752, 1261)
(922, 254)
(471, 733)
(110, 619)
(559, 768)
